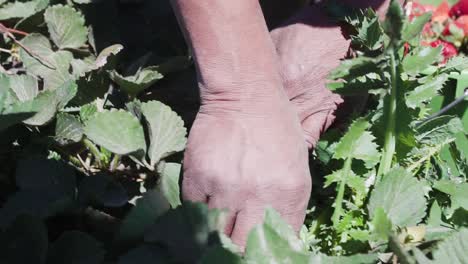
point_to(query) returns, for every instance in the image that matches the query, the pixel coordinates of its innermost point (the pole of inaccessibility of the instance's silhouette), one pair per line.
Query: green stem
(341, 189)
(115, 162)
(93, 149)
(390, 113)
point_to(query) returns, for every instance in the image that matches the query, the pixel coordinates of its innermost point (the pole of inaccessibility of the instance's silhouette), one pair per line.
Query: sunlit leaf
(413, 29)
(118, 131)
(453, 249)
(401, 196)
(420, 59)
(358, 143)
(135, 84)
(167, 131)
(426, 91)
(169, 182)
(66, 26)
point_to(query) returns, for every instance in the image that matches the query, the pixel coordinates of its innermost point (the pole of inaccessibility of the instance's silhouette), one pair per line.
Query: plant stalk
(341, 189)
(93, 149)
(390, 113)
(115, 162)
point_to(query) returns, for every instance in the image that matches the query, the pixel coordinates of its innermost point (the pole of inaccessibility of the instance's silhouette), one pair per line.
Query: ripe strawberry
(448, 49)
(416, 9)
(459, 9)
(462, 22)
(441, 13)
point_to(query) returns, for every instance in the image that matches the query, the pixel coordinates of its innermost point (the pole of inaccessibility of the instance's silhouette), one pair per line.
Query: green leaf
(394, 20)
(169, 182)
(440, 130)
(381, 226)
(426, 91)
(265, 245)
(453, 249)
(87, 111)
(83, 1)
(68, 129)
(413, 29)
(353, 259)
(25, 241)
(10, 117)
(44, 106)
(457, 63)
(77, 248)
(358, 143)
(435, 215)
(166, 129)
(273, 219)
(218, 255)
(462, 84)
(401, 196)
(145, 254)
(135, 84)
(117, 130)
(50, 65)
(24, 86)
(65, 93)
(82, 66)
(104, 55)
(147, 209)
(457, 191)
(420, 59)
(188, 229)
(92, 63)
(22, 9)
(370, 34)
(353, 68)
(66, 26)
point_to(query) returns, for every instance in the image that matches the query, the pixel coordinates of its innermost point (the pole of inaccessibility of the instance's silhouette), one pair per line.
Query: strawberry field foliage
(91, 163)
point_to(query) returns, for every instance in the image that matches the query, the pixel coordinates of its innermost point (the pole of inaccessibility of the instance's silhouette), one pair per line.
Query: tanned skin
(263, 104)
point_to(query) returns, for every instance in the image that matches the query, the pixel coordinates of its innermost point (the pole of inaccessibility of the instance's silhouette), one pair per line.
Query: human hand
(246, 148)
(246, 161)
(309, 46)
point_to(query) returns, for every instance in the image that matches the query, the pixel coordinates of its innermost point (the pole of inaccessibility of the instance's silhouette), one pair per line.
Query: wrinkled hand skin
(309, 46)
(246, 149)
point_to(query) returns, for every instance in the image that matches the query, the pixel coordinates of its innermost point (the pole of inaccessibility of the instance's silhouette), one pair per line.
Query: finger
(246, 219)
(253, 214)
(314, 125)
(222, 202)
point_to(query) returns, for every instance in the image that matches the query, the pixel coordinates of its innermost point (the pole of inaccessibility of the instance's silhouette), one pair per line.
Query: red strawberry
(462, 22)
(416, 9)
(448, 49)
(459, 9)
(406, 49)
(446, 31)
(427, 31)
(441, 13)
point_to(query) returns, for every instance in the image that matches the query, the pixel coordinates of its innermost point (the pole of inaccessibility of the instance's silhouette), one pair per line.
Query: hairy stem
(390, 113)
(115, 162)
(339, 198)
(93, 149)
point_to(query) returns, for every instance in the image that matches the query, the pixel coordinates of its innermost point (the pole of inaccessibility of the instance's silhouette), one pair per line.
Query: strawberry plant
(91, 162)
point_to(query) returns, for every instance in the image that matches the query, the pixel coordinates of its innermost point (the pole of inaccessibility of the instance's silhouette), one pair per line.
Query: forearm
(233, 53)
